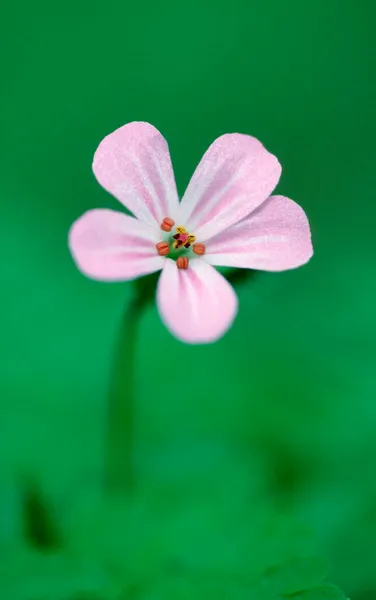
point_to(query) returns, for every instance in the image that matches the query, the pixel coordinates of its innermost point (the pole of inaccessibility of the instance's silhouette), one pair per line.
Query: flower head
(225, 218)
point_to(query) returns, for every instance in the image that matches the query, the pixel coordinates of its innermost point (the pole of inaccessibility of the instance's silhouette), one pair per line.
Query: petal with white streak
(111, 246)
(275, 237)
(133, 163)
(198, 305)
(234, 177)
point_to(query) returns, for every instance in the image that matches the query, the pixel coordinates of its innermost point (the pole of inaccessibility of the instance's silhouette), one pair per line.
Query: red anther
(167, 224)
(198, 249)
(182, 262)
(163, 248)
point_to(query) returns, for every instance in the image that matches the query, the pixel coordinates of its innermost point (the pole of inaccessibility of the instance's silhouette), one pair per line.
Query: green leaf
(296, 574)
(322, 592)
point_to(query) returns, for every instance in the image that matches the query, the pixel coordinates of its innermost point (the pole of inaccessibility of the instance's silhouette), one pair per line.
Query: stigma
(183, 238)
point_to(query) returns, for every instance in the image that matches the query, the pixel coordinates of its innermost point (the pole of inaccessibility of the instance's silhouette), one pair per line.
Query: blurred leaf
(323, 592)
(196, 550)
(30, 575)
(39, 524)
(295, 575)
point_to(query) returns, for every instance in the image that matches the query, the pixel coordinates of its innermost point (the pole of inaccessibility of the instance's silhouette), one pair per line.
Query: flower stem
(119, 472)
(119, 468)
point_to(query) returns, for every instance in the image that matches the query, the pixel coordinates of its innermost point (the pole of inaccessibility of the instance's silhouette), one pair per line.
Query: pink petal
(233, 178)
(111, 246)
(133, 163)
(273, 238)
(197, 305)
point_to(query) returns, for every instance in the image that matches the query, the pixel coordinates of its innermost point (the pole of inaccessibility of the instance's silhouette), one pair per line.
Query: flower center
(181, 243)
(183, 238)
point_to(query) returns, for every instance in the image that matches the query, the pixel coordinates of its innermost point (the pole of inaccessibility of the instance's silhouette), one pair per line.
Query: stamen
(163, 248)
(199, 249)
(167, 224)
(182, 262)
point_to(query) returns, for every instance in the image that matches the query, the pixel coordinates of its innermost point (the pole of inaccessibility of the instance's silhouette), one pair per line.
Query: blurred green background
(255, 454)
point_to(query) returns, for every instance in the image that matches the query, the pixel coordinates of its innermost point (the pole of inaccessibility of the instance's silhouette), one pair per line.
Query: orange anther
(167, 224)
(163, 248)
(198, 249)
(182, 262)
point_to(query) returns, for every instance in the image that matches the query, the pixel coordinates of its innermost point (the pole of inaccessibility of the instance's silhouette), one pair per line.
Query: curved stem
(119, 471)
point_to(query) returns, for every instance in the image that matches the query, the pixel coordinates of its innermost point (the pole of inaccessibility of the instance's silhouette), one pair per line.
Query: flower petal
(111, 246)
(234, 177)
(275, 237)
(133, 163)
(197, 305)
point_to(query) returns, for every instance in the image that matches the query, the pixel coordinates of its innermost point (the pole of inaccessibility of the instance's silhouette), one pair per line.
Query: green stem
(119, 451)
(119, 470)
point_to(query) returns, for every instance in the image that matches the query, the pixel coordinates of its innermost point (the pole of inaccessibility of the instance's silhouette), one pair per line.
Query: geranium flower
(225, 218)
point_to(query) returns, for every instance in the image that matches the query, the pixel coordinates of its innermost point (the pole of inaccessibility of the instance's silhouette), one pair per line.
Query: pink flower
(225, 218)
